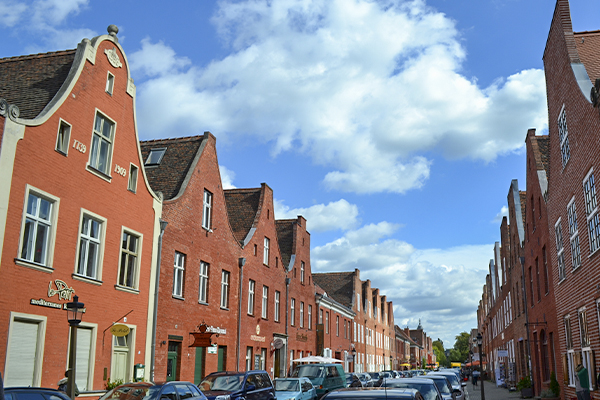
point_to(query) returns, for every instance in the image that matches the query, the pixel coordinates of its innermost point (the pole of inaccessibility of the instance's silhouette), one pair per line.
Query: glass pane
(98, 124)
(107, 129)
(27, 239)
(103, 157)
(82, 257)
(131, 271)
(91, 264)
(125, 240)
(133, 244)
(123, 270)
(45, 207)
(95, 229)
(94, 152)
(32, 204)
(40, 244)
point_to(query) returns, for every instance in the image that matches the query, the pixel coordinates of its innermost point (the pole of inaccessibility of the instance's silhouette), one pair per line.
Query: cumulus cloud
(503, 213)
(11, 12)
(322, 217)
(362, 87)
(227, 177)
(442, 287)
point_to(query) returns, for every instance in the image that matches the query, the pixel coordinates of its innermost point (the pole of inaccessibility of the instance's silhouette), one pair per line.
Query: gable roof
(338, 285)
(242, 208)
(168, 176)
(523, 198)
(285, 239)
(31, 82)
(588, 48)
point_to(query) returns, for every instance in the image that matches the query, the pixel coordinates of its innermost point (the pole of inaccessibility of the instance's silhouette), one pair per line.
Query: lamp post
(479, 342)
(353, 359)
(74, 314)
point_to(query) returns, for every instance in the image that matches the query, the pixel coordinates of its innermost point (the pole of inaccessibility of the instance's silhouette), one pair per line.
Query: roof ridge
(37, 55)
(597, 31)
(183, 138)
(242, 190)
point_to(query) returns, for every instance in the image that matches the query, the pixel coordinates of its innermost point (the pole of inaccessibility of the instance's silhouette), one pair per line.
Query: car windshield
(442, 385)
(453, 379)
(310, 371)
(229, 383)
(286, 385)
(132, 392)
(428, 391)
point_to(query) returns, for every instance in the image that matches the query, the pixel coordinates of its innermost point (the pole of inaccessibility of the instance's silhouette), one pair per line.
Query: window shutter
(592, 371)
(577, 358)
(84, 344)
(22, 354)
(565, 367)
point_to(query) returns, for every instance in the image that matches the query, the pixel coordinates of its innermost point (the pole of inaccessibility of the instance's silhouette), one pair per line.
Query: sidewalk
(492, 392)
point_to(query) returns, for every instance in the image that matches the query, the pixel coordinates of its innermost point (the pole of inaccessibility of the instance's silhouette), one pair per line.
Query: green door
(199, 367)
(172, 362)
(222, 360)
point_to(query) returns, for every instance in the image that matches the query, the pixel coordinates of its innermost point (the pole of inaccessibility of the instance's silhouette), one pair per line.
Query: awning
(318, 359)
(474, 363)
(405, 365)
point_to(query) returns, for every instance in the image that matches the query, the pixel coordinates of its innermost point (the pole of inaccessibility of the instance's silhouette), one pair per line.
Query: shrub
(524, 383)
(111, 385)
(554, 386)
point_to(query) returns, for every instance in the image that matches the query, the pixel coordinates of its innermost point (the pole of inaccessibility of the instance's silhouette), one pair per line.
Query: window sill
(127, 289)
(32, 265)
(202, 302)
(98, 173)
(87, 279)
(178, 297)
(224, 308)
(62, 153)
(131, 190)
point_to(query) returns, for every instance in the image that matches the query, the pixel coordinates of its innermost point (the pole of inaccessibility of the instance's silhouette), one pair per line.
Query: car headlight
(223, 397)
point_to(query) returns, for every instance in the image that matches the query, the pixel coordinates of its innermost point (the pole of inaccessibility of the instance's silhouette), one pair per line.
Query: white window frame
(563, 134)
(265, 302)
(337, 325)
(559, 251)
(155, 156)
(28, 261)
(591, 211)
(584, 328)
(62, 143)
(138, 261)
(357, 302)
(277, 305)
(207, 210)
(178, 274)
(573, 234)
(301, 314)
(302, 267)
(100, 241)
(225, 279)
(93, 162)
(110, 83)
(203, 282)
(327, 322)
(266, 251)
(251, 288)
(133, 178)
(293, 312)
(309, 317)
(42, 322)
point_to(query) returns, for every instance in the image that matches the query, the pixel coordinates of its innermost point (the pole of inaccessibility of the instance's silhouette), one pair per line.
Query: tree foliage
(440, 353)
(460, 352)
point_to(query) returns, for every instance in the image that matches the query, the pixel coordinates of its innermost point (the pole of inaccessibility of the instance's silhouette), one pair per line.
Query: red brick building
(401, 350)
(71, 177)
(572, 67)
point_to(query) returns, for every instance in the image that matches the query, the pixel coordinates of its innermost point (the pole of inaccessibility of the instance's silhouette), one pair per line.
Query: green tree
(440, 353)
(460, 352)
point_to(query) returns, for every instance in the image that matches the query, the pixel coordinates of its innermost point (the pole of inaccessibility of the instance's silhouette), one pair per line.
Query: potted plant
(554, 386)
(524, 386)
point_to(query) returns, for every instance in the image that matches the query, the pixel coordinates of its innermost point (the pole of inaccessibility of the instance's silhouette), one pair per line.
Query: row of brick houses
(203, 278)
(540, 309)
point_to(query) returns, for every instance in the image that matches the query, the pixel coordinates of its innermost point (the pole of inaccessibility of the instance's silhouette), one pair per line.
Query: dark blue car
(249, 385)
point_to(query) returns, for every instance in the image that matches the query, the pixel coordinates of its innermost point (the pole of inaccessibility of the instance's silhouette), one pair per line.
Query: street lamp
(353, 359)
(479, 342)
(74, 314)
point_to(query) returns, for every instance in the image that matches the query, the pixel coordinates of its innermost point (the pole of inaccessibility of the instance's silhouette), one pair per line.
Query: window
(251, 285)
(265, 302)
(591, 209)
(110, 83)
(207, 210)
(563, 133)
(38, 227)
(309, 316)
(337, 325)
(130, 246)
(546, 277)
(574, 234)
(133, 176)
(277, 305)
(560, 251)
(293, 311)
(320, 316)
(537, 278)
(266, 252)
(249, 358)
(326, 321)
(301, 314)
(102, 140)
(155, 156)
(203, 283)
(583, 329)
(90, 250)
(178, 273)
(357, 302)
(568, 336)
(224, 289)
(63, 138)
(302, 272)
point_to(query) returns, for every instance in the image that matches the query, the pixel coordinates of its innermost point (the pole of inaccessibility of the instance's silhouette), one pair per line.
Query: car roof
(374, 393)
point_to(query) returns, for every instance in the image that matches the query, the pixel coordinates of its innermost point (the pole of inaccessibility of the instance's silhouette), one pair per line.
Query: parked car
(175, 390)
(454, 381)
(374, 394)
(426, 387)
(353, 380)
(443, 384)
(251, 385)
(294, 389)
(28, 393)
(324, 377)
(366, 379)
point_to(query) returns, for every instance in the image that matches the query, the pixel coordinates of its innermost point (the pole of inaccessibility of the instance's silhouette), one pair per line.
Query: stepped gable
(285, 239)
(588, 49)
(31, 82)
(168, 176)
(523, 197)
(338, 285)
(242, 209)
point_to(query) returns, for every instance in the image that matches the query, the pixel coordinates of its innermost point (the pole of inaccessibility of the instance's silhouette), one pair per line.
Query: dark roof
(242, 209)
(588, 48)
(285, 239)
(338, 285)
(168, 176)
(31, 82)
(543, 154)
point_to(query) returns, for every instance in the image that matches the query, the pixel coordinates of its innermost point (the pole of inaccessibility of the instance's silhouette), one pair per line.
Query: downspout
(163, 225)
(241, 262)
(287, 308)
(522, 259)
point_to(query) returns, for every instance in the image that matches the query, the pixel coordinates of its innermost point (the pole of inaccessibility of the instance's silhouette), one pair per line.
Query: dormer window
(155, 156)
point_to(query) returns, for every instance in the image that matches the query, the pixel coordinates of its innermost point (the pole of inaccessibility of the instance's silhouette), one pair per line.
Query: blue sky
(394, 127)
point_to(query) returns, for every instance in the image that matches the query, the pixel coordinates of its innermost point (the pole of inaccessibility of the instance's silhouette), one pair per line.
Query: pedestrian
(63, 383)
(475, 377)
(582, 383)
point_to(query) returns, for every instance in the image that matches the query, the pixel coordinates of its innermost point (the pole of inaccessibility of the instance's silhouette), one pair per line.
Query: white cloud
(442, 287)
(227, 177)
(503, 213)
(54, 12)
(322, 217)
(156, 59)
(11, 12)
(364, 89)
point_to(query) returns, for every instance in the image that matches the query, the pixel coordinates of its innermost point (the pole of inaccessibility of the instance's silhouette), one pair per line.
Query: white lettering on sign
(120, 170)
(79, 146)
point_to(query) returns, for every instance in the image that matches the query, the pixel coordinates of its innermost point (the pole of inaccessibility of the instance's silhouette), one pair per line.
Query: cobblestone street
(492, 392)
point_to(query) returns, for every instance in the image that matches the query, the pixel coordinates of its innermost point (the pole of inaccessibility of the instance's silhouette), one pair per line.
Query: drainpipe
(163, 225)
(241, 262)
(522, 259)
(287, 308)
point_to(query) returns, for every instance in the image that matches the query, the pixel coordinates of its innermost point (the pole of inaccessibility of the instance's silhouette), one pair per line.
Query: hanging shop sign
(301, 337)
(202, 337)
(119, 330)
